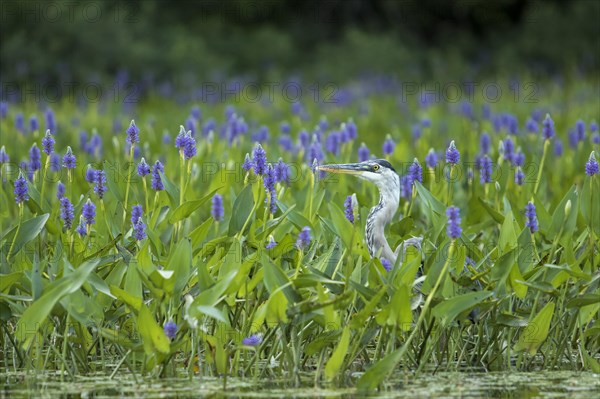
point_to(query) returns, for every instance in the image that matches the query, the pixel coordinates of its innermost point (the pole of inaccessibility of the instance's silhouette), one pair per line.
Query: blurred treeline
(330, 39)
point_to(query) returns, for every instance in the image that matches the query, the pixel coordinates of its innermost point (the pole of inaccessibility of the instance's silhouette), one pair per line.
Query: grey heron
(382, 174)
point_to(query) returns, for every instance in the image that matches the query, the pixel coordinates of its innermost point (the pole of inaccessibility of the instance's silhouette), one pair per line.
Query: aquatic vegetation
(229, 255)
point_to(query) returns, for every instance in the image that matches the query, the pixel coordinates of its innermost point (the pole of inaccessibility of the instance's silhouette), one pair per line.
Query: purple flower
(170, 329)
(426, 122)
(94, 147)
(55, 162)
(486, 112)
(406, 186)
(282, 172)
(332, 143)
(591, 166)
(388, 146)
(593, 127)
(48, 143)
(484, 143)
(303, 138)
(431, 159)
(157, 184)
(100, 180)
(81, 227)
(269, 182)
(531, 126)
(35, 158)
(3, 155)
(271, 244)
(315, 152)
(485, 170)
(304, 238)
(519, 158)
(531, 217)
(509, 149)
(572, 136)
(60, 190)
(143, 168)
(3, 109)
(181, 139)
(548, 128)
(558, 147)
(284, 127)
(580, 129)
(259, 160)
(452, 154)
(136, 213)
(519, 176)
(33, 123)
(196, 113)
(217, 210)
(90, 174)
(133, 133)
(253, 340)
(416, 131)
(595, 137)
(88, 211)
(20, 122)
(69, 160)
(139, 228)
(415, 172)
(190, 125)
(247, 164)
(387, 265)
(67, 212)
(363, 153)
(50, 120)
(21, 190)
(189, 150)
(261, 135)
(454, 230)
(351, 129)
(348, 209)
(166, 139)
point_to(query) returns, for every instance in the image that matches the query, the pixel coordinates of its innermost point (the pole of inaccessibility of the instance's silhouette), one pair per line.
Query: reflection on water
(560, 384)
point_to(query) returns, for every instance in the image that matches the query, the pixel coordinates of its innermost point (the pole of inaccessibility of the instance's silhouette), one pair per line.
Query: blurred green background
(189, 41)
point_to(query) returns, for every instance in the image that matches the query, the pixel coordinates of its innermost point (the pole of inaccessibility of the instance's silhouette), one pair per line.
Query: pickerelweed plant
(239, 258)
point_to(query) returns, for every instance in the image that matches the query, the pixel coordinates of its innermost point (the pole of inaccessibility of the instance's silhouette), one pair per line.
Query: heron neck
(379, 216)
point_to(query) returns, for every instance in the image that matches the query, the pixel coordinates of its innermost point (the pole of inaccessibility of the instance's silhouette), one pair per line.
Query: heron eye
(376, 167)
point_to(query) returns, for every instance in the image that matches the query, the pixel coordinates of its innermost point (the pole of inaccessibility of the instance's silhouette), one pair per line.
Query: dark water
(570, 385)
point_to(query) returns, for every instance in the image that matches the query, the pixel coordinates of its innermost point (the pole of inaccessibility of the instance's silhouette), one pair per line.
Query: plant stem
(127, 186)
(539, 176)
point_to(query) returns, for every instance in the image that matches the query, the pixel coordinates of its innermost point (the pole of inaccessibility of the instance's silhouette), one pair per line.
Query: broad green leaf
(33, 317)
(7, 280)
(447, 311)
(133, 301)
(187, 208)
(497, 216)
(153, 335)
(25, 231)
(536, 331)
(333, 365)
(181, 264)
(590, 203)
(242, 207)
(171, 189)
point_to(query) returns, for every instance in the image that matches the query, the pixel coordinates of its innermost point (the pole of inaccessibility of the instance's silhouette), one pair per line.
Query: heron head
(378, 171)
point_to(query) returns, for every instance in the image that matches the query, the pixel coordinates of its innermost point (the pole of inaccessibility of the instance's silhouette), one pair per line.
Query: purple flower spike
(485, 170)
(67, 212)
(519, 177)
(431, 159)
(143, 168)
(531, 217)
(69, 160)
(272, 243)
(484, 143)
(387, 265)
(454, 230)
(304, 238)
(21, 190)
(452, 154)
(81, 227)
(100, 180)
(348, 209)
(282, 172)
(247, 164)
(88, 212)
(139, 230)
(415, 172)
(548, 128)
(157, 184)
(259, 160)
(48, 143)
(35, 158)
(253, 340)
(4, 156)
(217, 211)
(133, 133)
(363, 153)
(136, 213)
(591, 166)
(170, 329)
(388, 146)
(60, 190)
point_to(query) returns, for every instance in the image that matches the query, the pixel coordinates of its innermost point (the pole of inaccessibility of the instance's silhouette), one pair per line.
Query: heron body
(382, 174)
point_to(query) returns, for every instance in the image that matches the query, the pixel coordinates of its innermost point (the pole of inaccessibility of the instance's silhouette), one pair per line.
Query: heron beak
(345, 168)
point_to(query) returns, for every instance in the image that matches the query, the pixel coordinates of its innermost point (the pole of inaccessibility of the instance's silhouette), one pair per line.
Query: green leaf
(171, 189)
(187, 208)
(27, 231)
(242, 207)
(337, 357)
(590, 203)
(33, 317)
(560, 222)
(7, 280)
(497, 216)
(447, 311)
(152, 334)
(181, 264)
(536, 331)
